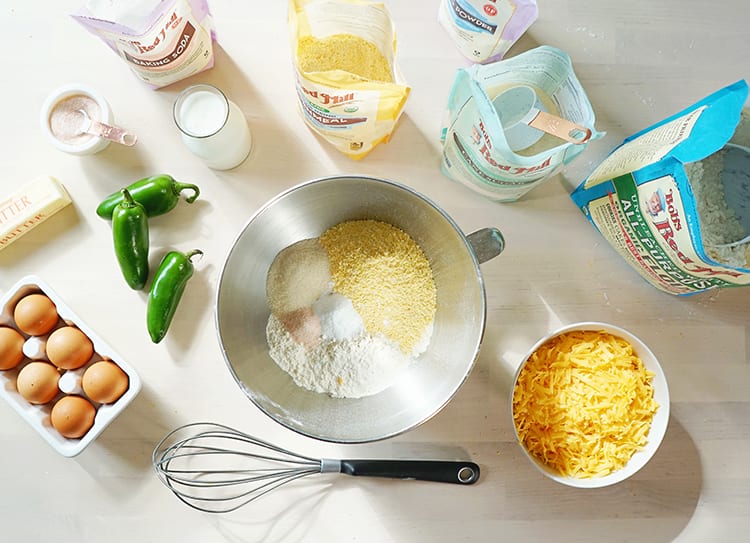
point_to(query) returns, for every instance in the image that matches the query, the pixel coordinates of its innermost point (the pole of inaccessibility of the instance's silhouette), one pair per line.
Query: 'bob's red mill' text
(326, 99)
(667, 229)
(172, 23)
(674, 214)
(184, 41)
(487, 146)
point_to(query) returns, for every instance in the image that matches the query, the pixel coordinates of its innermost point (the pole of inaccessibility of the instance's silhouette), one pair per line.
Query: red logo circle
(490, 10)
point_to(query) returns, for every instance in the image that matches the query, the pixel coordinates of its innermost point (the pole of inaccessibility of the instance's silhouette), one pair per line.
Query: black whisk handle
(441, 471)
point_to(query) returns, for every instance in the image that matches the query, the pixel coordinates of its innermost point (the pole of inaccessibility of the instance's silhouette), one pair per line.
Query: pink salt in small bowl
(61, 119)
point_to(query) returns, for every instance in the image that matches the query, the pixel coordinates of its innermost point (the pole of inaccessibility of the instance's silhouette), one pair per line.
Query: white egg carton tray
(38, 416)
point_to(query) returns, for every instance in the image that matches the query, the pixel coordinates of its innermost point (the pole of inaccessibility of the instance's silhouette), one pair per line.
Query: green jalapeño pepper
(166, 291)
(158, 194)
(130, 234)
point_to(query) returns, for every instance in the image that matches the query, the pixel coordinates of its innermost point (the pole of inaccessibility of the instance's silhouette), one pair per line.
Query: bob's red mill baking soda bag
(349, 87)
(674, 199)
(163, 41)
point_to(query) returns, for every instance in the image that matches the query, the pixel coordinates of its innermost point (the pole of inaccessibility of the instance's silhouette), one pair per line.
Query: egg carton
(38, 416)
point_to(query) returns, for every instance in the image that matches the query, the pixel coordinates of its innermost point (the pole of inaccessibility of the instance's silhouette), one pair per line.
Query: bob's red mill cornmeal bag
(670, 198)
(350, 89)
(163, 41)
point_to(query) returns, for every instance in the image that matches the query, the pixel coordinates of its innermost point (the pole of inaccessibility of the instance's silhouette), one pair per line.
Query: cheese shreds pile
(583, 403)
(343, 52)
(385, 274)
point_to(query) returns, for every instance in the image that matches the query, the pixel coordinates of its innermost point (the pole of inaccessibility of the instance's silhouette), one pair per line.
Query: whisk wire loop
(218, 469)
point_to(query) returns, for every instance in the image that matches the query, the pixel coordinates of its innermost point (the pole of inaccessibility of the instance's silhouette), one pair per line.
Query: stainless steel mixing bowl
(306, 211)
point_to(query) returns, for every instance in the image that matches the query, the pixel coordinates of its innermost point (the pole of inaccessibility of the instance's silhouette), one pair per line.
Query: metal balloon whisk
(217, 469)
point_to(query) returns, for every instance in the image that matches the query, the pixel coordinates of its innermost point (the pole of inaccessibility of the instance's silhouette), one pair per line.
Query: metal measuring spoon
(742, 241)
(106, 131)
(525, 120)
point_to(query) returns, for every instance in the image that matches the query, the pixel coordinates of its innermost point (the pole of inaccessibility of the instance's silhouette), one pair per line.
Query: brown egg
(73, 416)
(11, 348)
(35, 314)
(69, 348)
(37, 382)
(104, 382)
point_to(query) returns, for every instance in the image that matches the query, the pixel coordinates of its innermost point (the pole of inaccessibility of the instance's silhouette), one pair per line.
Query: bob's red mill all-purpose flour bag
(163, 41)
(672, 197)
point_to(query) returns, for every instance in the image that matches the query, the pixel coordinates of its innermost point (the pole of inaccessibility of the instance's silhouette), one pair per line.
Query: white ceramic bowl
(658, 424)
(92, 145)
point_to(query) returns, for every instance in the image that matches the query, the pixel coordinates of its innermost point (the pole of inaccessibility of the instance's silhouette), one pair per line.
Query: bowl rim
(659, 423)
(482, 313)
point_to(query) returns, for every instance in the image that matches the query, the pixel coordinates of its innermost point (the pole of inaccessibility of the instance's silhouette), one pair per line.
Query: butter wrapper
(30, 206)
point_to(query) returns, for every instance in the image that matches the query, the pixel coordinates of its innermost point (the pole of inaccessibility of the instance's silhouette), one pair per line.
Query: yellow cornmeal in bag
(345, 52)
(349, 86)
(386, 275)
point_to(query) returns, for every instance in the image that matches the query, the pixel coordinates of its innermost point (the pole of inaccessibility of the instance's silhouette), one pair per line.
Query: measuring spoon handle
(562, 128)
(112, 133)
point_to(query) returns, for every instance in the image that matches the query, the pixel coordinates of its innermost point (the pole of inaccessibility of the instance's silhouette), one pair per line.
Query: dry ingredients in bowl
(350, 310)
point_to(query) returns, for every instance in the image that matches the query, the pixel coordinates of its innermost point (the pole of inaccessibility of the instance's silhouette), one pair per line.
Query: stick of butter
(30, 206)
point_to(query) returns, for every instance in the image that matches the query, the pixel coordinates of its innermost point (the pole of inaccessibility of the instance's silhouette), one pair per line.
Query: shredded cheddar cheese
(583, 403)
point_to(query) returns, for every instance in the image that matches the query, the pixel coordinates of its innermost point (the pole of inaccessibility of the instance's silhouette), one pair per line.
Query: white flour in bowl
(349, 368)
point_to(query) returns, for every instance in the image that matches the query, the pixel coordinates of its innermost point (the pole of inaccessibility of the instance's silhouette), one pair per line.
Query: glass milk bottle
(212, 126)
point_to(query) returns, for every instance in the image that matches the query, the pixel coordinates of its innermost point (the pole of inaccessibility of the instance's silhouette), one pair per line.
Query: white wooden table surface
(638, 61)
